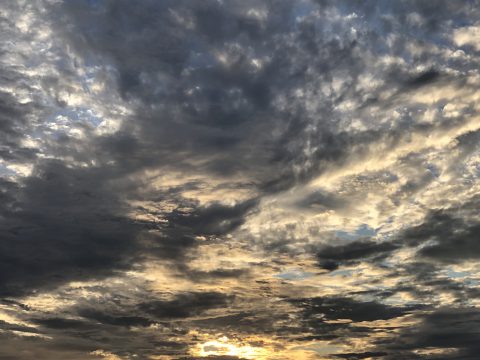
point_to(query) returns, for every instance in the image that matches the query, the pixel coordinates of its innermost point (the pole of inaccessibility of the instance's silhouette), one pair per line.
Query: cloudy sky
(251, 179)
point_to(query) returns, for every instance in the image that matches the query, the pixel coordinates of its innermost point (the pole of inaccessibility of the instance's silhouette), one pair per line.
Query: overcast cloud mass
(251, 179)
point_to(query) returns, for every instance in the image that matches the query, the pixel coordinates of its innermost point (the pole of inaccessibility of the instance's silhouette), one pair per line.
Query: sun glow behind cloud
(240, 179)
(226, 346)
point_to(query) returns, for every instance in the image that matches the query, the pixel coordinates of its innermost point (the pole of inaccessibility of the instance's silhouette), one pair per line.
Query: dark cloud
(108, 322)
(13, 327)
(446, 329)
(257, 96)
(178, 236)
(446, 235)
(61, 224)
(450, 235)
(14, 118)
(214, 219)
(113, 320)
(334, 308)
(363, 355)
(186, 305)
(330, 257)
(424, 78)
(227, 110)
(65, 224)
(64, 324)
(209, 119)
(337, 319)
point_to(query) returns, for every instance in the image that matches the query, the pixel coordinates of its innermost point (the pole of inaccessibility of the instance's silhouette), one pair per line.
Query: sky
(239, 179)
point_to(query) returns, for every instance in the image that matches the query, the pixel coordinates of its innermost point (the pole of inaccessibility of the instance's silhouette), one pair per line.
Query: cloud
(424, 78)
(330, 257)
(164, 165)
(447, 237)
(61, 224)
(364, 355)
(448, 333)
(467, 36)
(335, 308)
(185, 305)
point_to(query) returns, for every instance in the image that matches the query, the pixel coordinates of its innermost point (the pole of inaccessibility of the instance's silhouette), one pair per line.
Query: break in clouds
(226, 180)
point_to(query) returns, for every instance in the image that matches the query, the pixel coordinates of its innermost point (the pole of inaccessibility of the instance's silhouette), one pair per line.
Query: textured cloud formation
(239, 179)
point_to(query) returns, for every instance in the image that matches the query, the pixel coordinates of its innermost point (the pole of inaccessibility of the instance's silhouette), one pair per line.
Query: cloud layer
(239, 179)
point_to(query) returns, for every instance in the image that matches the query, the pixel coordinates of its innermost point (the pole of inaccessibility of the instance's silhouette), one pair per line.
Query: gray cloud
(185, 305)
(448, 237)
(330, 257)
(446, 328)
(61, 224)
(149, 135)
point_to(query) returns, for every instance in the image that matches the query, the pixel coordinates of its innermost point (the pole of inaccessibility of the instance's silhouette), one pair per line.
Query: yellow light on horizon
(225, 346)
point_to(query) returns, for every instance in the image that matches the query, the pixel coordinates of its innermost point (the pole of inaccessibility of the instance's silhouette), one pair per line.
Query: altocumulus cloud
(239, 179)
